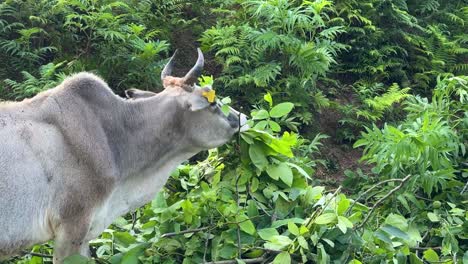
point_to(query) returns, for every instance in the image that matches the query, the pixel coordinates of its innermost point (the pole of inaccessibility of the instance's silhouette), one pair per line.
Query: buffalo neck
(151, 135)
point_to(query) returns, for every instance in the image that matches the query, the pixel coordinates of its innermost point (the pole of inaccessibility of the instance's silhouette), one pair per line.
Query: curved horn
(192, 76)
(168, 68)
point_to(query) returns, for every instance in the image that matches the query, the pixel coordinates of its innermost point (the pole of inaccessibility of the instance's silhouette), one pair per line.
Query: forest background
(360, 117)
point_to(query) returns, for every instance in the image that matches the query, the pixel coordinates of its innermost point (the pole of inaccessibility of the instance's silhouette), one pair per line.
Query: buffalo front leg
(70, 240)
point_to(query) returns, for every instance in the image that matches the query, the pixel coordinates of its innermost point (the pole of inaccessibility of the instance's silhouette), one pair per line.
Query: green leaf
(225, 109)
(267, 97)
(397, 221)
(313, 194)
(430, 255)
(432, 217)
(300, 170)
(275, 127)
(281, 171)
(395, 231)
(325, 218)
(261, 125)
(245, 224)
(302, 242)
(131, 256)
(355, 261)
(414, 259)
(465, 258)
(282, 258)
(267, 233)
(260, 114)
(124, 238)
(283, 222)
(257, 156)
(293, 229)
(344, 224)
(226, 100)
(159, 202)
(278, 242)
(281, 110)
(343, 205)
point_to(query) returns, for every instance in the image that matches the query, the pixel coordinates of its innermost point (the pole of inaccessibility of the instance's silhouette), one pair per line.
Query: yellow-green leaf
(325, 218)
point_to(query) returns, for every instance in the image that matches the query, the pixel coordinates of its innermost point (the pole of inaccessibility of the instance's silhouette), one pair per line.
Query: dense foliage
(395, 71)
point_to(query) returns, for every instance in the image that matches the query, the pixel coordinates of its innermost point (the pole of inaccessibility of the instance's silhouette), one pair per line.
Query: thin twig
(186, 231)
(425, 248)
(234, 261)
(34, 254)
(312, 217)
(239, 245)
(464, 188)
(134, 219)
(370, 189)
(403, 181)
(207, 240)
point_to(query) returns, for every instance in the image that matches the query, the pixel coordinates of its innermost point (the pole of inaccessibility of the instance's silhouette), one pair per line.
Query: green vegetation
(395, 72)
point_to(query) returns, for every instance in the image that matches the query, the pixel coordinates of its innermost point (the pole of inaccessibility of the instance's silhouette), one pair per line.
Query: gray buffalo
(75, 157)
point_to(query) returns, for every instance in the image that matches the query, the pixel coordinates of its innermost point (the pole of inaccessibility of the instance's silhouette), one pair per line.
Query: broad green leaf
(302, 242)
(465, 257)
(281, 171)
(245, 224)
(325, 218)
(383, 236)
(254, 185)
(226, 100)
(275, 127)
(260, 114)
(255, 253)
(432, 217)
(252, 210)
(225, 109)
(323, 256)
(131, 256)
(278, 242)
(343, 205)
(397, 221)
(300, 170)
(355, 261)
(228, 251)
(283, 222)
(329, 242)
(346, 221)
(124, 238)
(257, 156)
(430, 255)
(267, 233)
(159, 202)
(282, 258)
(281, 110)
(344, 224)
(293, 229)
(415, 259)
(395, 231)
(261, 125)
(313, 194)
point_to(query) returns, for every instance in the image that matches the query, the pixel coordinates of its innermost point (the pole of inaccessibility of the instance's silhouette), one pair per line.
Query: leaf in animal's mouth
(210, 96)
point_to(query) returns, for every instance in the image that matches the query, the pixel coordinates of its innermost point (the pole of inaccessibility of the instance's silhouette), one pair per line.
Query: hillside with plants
(357, 151)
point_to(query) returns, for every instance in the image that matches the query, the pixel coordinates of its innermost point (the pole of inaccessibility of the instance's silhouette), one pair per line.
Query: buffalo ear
(197, 102)
(136, 94)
